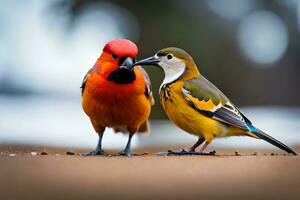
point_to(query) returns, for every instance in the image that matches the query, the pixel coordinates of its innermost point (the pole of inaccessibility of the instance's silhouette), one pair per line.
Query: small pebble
(5, 153)
(33, 153)
(70, 152)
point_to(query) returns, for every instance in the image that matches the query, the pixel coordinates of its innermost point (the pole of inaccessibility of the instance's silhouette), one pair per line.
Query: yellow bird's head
(176, 64)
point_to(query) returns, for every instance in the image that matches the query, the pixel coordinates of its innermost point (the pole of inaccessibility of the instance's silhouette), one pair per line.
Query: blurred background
(248, 48)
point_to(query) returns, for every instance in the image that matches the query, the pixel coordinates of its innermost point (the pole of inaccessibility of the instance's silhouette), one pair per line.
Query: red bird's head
(116, 61)
(121, 48)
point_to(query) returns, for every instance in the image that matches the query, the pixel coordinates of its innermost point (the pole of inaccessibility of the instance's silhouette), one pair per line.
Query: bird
(116, 94)
(197, 106)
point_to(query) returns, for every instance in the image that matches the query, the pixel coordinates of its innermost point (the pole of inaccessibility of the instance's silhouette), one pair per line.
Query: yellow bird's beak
(148, 61)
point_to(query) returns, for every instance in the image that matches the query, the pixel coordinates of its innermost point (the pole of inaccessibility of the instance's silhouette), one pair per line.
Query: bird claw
(96, 153)
(184, 152)
(124, 153)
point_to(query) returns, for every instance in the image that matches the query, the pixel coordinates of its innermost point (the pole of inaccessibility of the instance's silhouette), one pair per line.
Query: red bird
(115, 94)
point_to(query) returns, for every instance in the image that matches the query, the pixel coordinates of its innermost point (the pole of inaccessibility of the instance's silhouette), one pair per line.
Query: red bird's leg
(127, 150)
(98, 151)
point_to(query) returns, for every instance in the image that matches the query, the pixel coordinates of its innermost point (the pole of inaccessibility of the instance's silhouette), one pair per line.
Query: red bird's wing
(84, 83)
(85, 78)
(145, 127)
(148, 91)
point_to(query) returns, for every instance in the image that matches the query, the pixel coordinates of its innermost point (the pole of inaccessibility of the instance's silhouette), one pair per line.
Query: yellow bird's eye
(169, 56)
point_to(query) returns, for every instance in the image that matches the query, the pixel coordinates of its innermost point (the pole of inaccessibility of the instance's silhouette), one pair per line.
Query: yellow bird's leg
(199, 142)
(204, 146)
(190, 152)
(208, 139)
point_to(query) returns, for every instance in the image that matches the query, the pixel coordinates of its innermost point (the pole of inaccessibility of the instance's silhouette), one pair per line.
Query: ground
(247, 174)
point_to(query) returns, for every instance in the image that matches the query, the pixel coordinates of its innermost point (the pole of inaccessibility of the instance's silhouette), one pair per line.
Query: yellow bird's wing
(207, 99)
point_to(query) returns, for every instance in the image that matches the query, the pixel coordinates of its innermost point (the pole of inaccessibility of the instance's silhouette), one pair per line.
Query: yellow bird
(197, 106)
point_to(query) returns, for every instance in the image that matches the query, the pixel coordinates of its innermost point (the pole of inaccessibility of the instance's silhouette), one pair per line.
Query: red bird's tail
(145, 127)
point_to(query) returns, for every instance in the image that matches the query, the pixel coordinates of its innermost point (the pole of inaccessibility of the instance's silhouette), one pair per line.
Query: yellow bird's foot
(184, 152)
(96, 153)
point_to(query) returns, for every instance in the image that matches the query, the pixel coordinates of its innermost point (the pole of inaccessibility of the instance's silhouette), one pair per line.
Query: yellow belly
(189, 119)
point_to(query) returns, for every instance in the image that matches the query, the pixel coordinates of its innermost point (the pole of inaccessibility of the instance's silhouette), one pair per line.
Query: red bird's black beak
(124, 74)
(126, 63)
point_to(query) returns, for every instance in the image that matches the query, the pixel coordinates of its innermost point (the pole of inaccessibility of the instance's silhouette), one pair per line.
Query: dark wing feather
(210, 101)
(231, 115)
(84, 83)
(207, 99)
(85, 79)
(148, 91)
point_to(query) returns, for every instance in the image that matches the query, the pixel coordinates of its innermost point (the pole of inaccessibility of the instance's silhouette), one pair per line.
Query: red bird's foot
(184, 152)
(96, 153)
(125, 153)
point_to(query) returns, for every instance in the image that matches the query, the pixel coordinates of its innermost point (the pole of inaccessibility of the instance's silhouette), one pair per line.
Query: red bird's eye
(114, 56)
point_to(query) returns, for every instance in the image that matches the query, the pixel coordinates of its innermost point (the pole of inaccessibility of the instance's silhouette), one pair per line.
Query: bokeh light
(298, 15)
(263, 37)
(231, 9)
(290, 4)
(47, 54)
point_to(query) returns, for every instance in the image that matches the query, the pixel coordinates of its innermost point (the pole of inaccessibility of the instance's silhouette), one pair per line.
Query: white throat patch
(173, 69)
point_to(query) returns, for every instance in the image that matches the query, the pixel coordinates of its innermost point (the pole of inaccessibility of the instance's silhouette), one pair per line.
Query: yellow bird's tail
(251, 135)
(257, 133)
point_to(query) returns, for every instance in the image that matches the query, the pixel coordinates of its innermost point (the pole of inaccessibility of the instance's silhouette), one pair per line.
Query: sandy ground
(228, 175)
